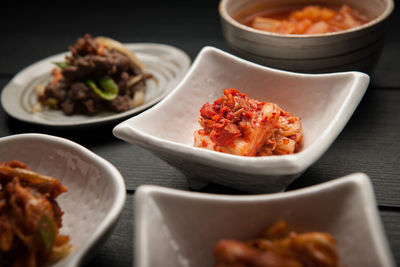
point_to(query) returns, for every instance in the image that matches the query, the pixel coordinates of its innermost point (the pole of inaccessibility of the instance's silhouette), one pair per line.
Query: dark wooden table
(369, 143)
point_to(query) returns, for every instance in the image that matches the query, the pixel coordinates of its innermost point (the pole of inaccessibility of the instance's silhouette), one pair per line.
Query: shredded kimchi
(237, 124)
(30, 217)
(311, 19)
(276, 247)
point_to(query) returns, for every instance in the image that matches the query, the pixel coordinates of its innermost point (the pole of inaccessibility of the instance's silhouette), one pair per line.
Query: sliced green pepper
(47, 231)
(108, 85)
(62, 65)
(109, 89)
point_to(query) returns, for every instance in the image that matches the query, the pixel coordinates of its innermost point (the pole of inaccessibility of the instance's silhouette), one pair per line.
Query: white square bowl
(324, 102)
(174, 228)
(96, 190)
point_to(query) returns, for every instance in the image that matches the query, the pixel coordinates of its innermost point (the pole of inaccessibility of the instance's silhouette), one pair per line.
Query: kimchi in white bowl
(324, 103)
(91, 205)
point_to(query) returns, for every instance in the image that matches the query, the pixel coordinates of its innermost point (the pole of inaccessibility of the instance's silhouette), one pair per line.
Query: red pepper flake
(285, 141)
(203, 143)
(57, 75)
(224, 133)
(216, 117)
(202, 132)
(248, 114)
(207, 111)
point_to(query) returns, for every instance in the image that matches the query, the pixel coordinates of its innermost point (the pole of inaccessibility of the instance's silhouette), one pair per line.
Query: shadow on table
(84, 135)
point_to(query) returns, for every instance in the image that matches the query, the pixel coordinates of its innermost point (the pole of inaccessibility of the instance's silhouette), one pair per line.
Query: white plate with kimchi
(257, 137)
(164, 66)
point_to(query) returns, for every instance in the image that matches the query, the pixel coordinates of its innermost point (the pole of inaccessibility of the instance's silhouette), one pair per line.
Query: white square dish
(96, 190)
(178, 228)
(324, 103)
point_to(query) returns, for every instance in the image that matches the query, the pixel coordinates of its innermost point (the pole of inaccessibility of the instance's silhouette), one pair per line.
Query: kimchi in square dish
(237, 124)
(258, 135)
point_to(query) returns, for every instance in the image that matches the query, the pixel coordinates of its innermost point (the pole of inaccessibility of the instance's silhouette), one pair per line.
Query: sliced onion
(134, 80)
(40, 88)
(113, 44)
(138, 98)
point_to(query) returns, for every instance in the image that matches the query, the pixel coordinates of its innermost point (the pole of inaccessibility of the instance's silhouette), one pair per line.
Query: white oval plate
(166, 63)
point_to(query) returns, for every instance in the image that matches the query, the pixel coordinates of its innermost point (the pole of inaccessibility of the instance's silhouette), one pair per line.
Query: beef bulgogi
(99, 74)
